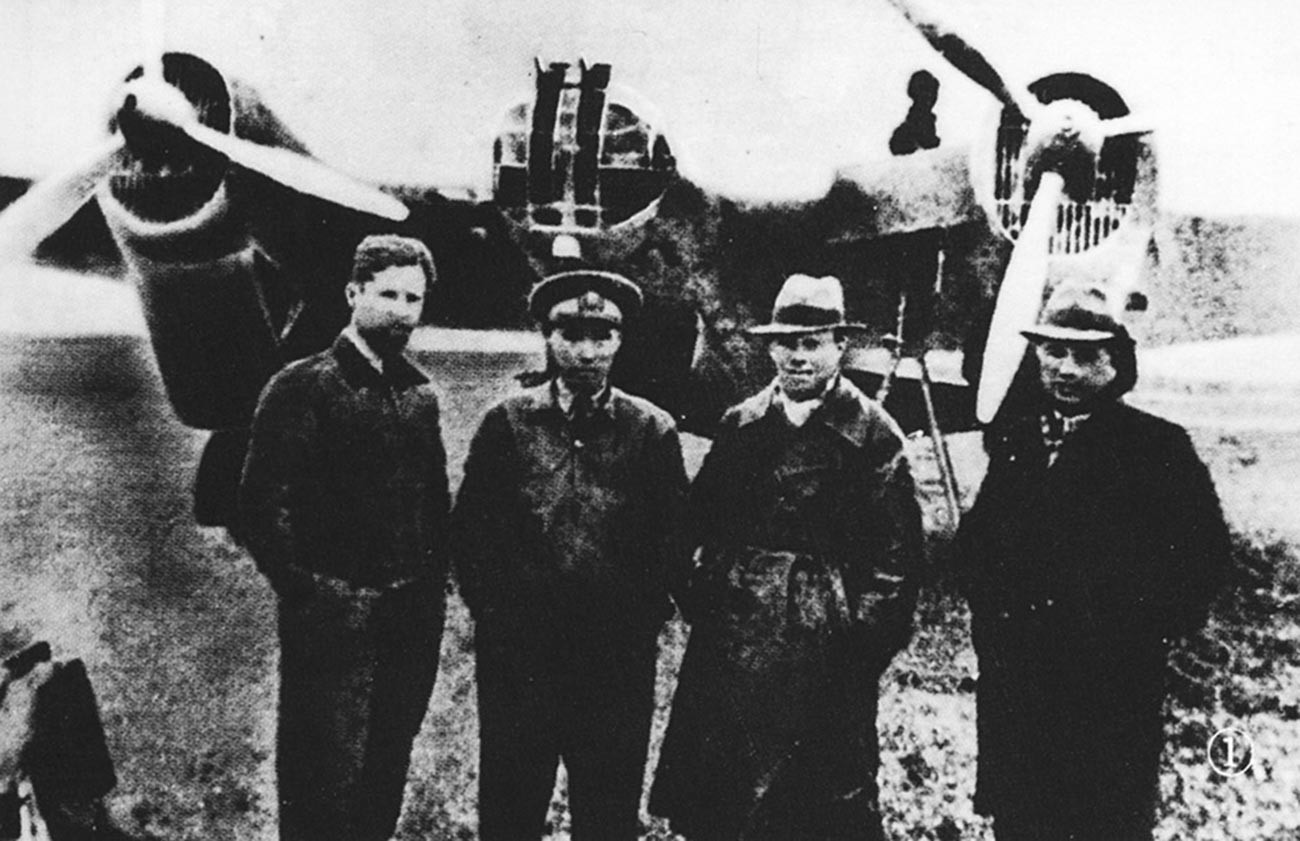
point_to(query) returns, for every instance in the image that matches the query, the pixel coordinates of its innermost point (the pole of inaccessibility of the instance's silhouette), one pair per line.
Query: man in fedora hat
(565, 550)
(809, 534)
(1096, 542)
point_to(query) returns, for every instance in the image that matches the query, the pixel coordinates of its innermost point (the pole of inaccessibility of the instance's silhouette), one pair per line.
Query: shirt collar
(1054, 421)
(1057, 429)
(363, 346)
(798, 411)
(563, 397)
(844, 409)
(358, 368)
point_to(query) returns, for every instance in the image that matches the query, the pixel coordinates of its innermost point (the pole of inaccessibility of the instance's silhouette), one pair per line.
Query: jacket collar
(600, 403)
(844, 409)
(1026, 429)
(399, 373)
(543, 399)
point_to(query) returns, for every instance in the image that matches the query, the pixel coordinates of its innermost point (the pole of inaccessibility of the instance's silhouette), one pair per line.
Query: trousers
(578, 691)
(356, 674)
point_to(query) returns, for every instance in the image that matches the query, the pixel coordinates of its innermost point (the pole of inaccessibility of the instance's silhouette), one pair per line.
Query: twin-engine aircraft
(239, 242)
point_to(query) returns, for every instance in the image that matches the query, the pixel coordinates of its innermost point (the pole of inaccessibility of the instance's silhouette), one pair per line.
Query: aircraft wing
(923, 190)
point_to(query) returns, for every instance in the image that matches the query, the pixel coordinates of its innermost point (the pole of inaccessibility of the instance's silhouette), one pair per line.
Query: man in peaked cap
(565, 548)
(810, 533)
(1096, 542)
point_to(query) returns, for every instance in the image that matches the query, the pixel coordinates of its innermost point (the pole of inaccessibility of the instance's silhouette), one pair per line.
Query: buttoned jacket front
(346, 474)
(571, 512)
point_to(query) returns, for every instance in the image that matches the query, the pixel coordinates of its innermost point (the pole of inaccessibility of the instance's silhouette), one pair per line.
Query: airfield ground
(99, 554)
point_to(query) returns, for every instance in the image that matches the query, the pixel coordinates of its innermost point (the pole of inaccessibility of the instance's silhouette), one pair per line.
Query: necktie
(1053, 435)
(580, 414)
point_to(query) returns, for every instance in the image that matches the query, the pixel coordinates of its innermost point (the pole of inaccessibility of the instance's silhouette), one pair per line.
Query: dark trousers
(577, 690)
(1104, 828)
(355, 679)
(796, 807)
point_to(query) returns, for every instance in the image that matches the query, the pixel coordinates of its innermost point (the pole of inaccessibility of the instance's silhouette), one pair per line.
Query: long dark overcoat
(810, 535)
(344, 506)
(1080, 575)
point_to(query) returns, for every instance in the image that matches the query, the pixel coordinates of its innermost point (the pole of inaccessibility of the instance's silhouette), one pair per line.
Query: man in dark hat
(565, 549)
(810, 533)
(344, 505)
(1095, 543)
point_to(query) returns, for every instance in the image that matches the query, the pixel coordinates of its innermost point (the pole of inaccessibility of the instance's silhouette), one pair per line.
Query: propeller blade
(1129, 124)
(52, 201)
(962, 55)
(298, 172)
(164, 103)
(152, 29)
(1019, 298)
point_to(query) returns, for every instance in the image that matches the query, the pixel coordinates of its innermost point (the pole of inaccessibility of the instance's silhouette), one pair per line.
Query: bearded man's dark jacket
(344, 507)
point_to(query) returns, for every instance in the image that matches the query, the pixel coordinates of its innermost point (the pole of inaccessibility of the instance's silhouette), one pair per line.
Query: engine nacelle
(1102, 236)
(212, 335)
(183, 225)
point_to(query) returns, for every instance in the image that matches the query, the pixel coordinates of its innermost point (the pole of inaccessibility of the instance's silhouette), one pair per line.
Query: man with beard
(344, 505)
(1096, 542)
(565, 549)
(810, 536)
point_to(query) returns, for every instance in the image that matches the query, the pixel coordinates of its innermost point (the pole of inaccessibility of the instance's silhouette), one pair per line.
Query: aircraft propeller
(1061, 147)
(53, 200)
(1019, 298)
(166, 106)
(154, 120)
(153, 30)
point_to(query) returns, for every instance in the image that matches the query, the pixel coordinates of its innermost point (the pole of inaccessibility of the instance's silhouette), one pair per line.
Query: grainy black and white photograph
(720, 421)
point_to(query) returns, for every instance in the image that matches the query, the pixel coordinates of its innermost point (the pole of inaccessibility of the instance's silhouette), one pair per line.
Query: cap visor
(1052, 333)
(799, 329)
(584, 319)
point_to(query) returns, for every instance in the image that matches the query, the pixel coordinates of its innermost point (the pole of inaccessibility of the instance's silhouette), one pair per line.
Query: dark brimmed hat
(585, 295)
(807, 304)
(1078, 314)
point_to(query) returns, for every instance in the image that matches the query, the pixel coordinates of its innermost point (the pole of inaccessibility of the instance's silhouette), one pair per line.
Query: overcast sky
(761, 98)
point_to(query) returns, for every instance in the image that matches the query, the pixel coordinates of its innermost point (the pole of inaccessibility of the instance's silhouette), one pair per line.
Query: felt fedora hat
(1078, 314)
(807, 304)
